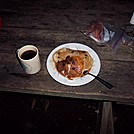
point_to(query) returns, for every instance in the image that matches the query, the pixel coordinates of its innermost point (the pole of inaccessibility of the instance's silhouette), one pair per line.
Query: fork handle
(107, 84)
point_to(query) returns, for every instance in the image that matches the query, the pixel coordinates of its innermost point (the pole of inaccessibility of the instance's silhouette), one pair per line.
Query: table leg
(106, 126)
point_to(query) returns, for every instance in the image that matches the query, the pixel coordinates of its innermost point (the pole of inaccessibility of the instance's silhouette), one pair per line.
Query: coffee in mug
(28, 57)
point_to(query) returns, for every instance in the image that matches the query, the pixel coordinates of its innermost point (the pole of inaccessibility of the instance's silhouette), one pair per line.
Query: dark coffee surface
(27, 55)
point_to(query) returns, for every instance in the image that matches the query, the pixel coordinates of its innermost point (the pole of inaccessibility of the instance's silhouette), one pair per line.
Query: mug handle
(16, 52)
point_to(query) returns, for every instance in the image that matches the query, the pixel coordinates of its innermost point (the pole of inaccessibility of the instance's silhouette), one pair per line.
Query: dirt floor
(34, 114)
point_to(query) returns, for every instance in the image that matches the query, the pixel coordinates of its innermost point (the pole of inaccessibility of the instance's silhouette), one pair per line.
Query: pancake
(72, 63)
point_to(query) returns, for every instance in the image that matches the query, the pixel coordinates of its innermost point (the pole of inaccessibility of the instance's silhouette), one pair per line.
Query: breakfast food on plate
(72, 63)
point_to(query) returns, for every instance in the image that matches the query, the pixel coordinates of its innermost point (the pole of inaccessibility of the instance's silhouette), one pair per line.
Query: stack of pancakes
(72, 63)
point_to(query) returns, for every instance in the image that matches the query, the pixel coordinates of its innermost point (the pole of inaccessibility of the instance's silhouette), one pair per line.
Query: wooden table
(48, 24)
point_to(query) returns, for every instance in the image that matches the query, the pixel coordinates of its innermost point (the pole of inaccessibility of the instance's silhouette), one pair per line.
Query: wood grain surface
(48, 24)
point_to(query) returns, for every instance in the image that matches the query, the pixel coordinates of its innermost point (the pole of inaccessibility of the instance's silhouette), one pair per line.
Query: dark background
(36, 114)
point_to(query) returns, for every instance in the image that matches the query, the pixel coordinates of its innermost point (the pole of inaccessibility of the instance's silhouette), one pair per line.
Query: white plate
(77, 81)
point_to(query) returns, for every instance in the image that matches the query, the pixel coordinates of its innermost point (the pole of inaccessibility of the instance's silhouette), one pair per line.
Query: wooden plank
(48, 14)
(16, 37)
(106, 126)
(12, 76)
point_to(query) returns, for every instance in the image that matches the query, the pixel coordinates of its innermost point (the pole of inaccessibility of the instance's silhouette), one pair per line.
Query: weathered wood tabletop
(48, 24)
